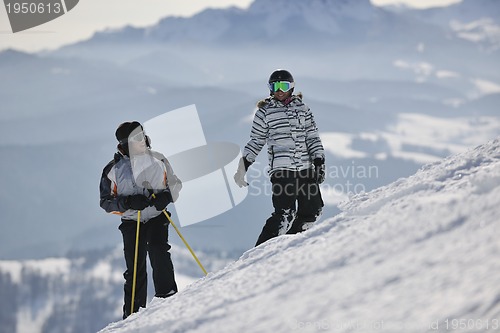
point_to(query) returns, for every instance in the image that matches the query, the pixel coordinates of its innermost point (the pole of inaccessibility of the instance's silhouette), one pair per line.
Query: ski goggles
(284, 86)
(139, 137)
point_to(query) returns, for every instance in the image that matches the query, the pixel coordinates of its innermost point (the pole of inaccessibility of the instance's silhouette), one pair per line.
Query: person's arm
(313, 141)
(110, 201)
(174, 184)
(315, 147)
(258, 137)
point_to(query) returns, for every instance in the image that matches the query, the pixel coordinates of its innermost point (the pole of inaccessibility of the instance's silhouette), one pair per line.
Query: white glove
(239, 176)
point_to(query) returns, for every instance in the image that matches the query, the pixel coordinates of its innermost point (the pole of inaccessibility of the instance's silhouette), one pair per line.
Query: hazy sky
(93, 15)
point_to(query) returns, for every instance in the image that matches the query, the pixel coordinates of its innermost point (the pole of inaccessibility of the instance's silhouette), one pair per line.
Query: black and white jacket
(290, 132)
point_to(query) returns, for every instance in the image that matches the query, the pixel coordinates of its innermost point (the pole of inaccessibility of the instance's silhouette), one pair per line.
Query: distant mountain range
(308, 22)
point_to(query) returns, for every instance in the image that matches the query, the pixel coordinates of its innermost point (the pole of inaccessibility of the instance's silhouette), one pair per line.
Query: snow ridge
(418, 254)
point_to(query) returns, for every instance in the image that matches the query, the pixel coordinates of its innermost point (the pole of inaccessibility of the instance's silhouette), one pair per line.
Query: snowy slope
(416, 255)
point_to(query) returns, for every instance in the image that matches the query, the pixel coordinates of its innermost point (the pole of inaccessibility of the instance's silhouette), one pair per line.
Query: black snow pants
(297, 201)
(153, 240)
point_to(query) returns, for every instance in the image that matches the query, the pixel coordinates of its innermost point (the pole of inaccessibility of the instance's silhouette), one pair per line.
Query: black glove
(319, 170)
(161, 200)
(137, 202)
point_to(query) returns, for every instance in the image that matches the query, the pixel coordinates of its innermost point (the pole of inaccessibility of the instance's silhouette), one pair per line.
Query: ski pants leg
(310, 202)
(159, 256)
(128, 229)
(153, 240)
(284, 186)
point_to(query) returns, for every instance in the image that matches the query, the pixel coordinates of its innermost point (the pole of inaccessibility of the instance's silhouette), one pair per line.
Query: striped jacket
(125, 176)
(290, 133)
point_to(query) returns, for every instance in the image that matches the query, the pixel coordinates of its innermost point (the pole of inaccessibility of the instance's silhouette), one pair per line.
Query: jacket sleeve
(258, 136)
(174, 184)
(110, 201)
(313, 141)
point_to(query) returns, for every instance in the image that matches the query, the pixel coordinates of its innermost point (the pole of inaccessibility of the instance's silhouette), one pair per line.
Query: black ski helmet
(280, 75)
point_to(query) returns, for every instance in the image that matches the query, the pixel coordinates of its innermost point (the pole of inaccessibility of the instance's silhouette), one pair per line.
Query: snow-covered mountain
(81, 292)
(285, 20)
(465, 11)
(473, 20)
(418, 255)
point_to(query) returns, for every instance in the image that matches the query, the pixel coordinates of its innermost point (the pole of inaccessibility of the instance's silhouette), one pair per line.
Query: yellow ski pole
(185, 243)
(135, 260)
(148, 186)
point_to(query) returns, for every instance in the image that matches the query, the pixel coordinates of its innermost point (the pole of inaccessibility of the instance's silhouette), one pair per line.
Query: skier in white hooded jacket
(127, 186)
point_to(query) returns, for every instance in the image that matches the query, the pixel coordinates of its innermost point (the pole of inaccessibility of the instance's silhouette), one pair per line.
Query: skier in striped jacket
(296, 158)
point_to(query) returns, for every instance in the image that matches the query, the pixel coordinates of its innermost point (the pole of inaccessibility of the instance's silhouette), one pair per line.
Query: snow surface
(418, 255)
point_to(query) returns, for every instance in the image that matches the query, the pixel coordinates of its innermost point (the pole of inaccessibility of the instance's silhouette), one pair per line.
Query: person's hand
(137, 202)
(161, 200)
(239, 176)
(319, 170)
